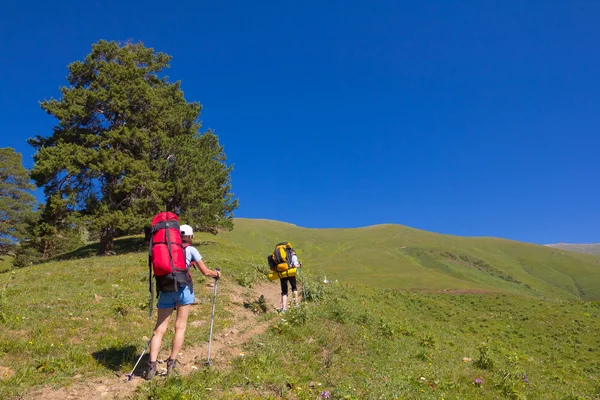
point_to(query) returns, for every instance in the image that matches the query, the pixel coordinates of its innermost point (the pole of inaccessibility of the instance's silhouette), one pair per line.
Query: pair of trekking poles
(212, 320)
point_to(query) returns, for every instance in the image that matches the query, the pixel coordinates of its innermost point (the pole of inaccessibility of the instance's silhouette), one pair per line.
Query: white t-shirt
(191, 254)
(295, 262)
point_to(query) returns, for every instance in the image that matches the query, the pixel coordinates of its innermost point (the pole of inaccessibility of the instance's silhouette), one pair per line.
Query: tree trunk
(107, 246)
(147, 233)
(45, 253)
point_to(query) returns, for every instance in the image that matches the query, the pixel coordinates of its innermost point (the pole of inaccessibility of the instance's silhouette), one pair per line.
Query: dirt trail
(225, 346)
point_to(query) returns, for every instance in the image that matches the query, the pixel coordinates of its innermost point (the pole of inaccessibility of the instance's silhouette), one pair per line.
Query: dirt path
(225, 346)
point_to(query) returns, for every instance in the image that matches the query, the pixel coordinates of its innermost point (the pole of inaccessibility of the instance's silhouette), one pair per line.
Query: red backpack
(166, 250)
(166, 258)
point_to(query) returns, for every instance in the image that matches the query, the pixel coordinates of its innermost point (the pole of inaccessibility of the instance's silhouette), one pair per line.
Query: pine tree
(120, 123)
(16, 201)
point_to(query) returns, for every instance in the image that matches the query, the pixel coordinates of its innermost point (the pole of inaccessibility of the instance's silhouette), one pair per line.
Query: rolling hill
(491, 319)
(399, 257)
(592, 248)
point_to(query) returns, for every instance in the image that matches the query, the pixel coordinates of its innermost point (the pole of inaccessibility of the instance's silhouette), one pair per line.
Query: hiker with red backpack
(172, 256)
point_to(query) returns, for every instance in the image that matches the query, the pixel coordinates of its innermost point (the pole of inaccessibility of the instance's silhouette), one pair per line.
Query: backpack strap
(168, 237)
(172, 223)
(185, 246)
(150, 278)
(290, 256)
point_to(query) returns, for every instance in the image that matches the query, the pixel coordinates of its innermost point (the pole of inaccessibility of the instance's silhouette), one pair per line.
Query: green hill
(72, 328)
(398, 257)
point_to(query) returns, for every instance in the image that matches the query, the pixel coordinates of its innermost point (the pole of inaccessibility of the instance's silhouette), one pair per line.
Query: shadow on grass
(203, 243)
(124, 245)
(114, 358)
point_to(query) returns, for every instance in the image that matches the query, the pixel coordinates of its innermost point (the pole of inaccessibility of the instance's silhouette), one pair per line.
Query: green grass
(362, 337)
(5, 263)
(412, 347)
(89, 316)
(398, 257)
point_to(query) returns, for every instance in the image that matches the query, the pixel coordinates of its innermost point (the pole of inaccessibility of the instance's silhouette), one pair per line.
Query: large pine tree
(127, 145)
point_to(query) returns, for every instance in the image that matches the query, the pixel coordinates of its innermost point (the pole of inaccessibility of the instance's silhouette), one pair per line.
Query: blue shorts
(182, 297)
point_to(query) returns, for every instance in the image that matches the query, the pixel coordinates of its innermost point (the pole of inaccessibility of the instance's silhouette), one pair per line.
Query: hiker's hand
(218, 274)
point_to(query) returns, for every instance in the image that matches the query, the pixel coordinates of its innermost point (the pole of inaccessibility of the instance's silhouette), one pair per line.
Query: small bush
(298, 315)
(312, 288)
(245, 279)
(258, 306)
(485, 360)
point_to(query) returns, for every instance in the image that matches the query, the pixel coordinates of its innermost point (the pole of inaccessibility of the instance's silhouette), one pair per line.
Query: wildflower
(478, 381)
(525, 378)
(325, 394)
(423, 378)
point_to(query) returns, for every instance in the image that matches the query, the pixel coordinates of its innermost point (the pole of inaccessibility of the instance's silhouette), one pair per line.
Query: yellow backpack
(281, 258)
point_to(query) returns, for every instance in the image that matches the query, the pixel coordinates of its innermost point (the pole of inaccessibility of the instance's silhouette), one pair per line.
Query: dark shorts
(284, 285)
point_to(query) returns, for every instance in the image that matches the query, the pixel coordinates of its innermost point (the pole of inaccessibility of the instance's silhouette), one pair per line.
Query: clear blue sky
(476, 118)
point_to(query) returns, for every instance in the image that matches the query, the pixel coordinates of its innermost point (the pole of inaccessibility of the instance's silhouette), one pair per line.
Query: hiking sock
(283, 303)
(295, 295)
(151, 371)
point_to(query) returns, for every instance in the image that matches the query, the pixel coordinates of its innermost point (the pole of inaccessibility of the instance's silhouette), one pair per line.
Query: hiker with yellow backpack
(284, 264)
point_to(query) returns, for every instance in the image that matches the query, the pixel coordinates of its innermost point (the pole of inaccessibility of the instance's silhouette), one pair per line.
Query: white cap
(186, 230)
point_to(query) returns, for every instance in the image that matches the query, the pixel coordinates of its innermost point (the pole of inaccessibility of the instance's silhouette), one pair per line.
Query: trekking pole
(129, 376)
(302, 277)
(212, 318)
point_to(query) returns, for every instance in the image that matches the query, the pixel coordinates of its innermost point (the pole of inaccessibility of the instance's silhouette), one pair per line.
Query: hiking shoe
(151, 371)
(171, 365)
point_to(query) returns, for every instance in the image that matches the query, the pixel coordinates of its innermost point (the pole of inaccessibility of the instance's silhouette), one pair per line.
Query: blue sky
(475, 118)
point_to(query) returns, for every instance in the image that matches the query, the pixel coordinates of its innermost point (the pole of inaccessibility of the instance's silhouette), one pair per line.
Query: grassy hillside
(78, 323)
(593, 248)
(398, 257)
(5, 263)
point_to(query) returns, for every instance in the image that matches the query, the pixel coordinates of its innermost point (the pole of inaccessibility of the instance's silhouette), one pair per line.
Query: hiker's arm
(205, 271)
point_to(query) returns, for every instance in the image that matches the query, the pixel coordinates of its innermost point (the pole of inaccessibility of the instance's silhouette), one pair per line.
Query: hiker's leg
(183, 311)
(294, 289)
(162, 322)
(284, 293)
(292, 280)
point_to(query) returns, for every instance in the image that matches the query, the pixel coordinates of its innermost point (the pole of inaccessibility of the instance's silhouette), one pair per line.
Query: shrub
(485, 360)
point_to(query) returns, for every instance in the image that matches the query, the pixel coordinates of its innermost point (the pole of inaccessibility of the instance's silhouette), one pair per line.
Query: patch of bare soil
(225, 346)
(6, 373)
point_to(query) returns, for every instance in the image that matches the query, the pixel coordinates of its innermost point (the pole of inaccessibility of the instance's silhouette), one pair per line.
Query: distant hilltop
(591, 248)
